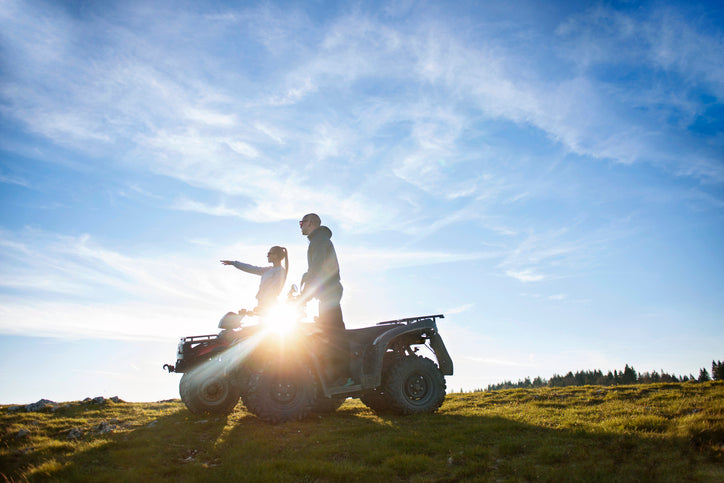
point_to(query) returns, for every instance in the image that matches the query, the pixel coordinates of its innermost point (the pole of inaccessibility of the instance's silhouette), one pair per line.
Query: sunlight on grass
(655, 432)
(46, 468)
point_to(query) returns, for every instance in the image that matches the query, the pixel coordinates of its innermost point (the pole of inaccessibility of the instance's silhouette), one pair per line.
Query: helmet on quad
(231, 320)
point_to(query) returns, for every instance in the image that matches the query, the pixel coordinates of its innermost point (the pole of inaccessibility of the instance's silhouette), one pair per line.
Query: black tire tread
(258, 401)
(189, 390)
(395, 380)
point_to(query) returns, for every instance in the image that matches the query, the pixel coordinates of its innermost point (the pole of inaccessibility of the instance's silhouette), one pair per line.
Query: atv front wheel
(208, 393)
(278, 393)
(414, 385)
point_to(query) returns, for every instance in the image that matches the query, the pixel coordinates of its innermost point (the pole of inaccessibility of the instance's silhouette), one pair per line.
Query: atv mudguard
(414, 333)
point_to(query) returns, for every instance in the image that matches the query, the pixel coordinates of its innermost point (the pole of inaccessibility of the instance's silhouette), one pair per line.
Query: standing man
(323, 283)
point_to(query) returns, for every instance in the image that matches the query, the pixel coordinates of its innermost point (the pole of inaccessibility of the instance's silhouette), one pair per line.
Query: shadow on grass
(354, 444)
(157, 449)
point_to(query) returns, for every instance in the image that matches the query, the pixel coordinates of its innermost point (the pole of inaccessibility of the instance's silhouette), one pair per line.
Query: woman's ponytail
(286, 263)
(282, 252)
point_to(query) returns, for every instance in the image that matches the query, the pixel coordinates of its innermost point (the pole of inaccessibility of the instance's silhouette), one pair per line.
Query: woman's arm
(246, 267)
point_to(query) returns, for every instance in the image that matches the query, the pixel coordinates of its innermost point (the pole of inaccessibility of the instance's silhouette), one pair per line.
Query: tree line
(598, 378)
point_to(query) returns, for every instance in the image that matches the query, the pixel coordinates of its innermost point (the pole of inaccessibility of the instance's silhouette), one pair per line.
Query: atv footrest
(333, 391)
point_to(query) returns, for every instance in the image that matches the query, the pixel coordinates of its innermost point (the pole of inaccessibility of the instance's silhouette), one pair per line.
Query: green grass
(658, 432)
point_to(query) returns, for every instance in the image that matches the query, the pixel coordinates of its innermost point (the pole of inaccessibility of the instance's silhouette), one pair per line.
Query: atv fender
(415, 333)
(443, 358)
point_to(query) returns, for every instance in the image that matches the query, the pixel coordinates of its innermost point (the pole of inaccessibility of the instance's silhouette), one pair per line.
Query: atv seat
(364, 336)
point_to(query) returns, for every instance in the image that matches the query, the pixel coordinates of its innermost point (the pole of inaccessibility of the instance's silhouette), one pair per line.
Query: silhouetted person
(272, 278)
(322, 282)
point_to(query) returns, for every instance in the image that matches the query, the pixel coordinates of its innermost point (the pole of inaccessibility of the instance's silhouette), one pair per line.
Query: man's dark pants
(337, 354)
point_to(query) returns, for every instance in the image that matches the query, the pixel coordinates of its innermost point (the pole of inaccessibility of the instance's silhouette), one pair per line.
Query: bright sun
(281, 318)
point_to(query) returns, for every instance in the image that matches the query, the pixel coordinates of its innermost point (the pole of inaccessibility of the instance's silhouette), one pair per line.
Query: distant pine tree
(610, 379)
(668, 377)
(569, 379)
(629, 375)
(717, 371)
(597, 378)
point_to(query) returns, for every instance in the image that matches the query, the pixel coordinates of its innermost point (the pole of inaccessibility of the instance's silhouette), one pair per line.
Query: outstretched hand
(227, 262)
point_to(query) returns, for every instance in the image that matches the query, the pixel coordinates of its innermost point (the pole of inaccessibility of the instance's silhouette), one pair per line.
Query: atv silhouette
(280, 377)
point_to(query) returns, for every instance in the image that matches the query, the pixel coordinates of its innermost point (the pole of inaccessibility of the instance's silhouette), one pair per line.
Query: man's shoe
(342, 382)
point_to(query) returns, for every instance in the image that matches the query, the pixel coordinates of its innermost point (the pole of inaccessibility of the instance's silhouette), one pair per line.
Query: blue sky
(550, 175)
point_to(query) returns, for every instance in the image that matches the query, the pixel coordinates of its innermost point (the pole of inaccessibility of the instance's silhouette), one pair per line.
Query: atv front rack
(190, 349)
(412, 320)
(199, 338)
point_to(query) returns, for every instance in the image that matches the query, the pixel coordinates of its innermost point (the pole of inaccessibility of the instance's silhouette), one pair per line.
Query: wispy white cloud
(93, 291)
(134, 189)
(293, 94)
(526, 275)
(80, 268)
(558, 297)
(539, 256)
(266, 145)
(460, 309)
(208, 117)
(670, 38)
(131, 321)
(391, 258)
(200, 129)
(16, 180)
(198, 207)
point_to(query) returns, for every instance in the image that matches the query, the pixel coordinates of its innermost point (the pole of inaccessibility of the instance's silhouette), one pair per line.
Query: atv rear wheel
(208, 393)
(414, 385)
(278, 393)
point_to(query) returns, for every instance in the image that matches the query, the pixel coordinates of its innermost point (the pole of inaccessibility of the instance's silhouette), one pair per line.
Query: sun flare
(281, 319)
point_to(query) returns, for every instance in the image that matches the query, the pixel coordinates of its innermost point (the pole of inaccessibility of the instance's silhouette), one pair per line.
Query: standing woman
(272, 278)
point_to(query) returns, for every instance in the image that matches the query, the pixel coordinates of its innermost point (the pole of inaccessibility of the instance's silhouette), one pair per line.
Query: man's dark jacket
(322, 278)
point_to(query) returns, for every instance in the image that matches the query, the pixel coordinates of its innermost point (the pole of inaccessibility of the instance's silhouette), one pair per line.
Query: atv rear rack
(412, 320)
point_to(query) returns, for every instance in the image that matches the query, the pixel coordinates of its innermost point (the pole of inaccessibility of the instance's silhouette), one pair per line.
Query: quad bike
(280, 376)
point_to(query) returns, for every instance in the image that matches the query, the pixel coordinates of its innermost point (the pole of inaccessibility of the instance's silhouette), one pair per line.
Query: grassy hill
(657, 432)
